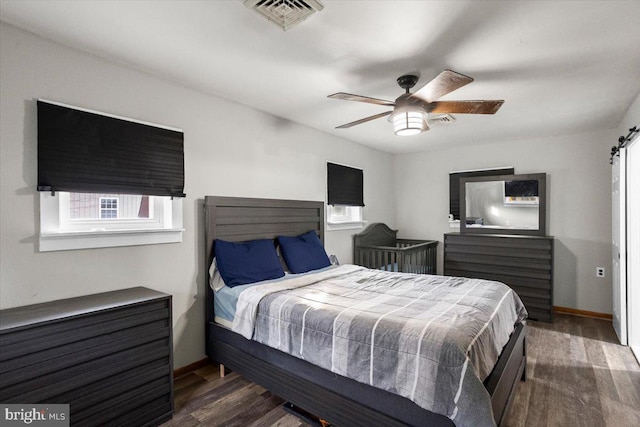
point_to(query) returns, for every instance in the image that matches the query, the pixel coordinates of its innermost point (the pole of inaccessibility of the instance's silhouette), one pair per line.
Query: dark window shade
(79, 151)
(344, 185)
(454, 185)
(521, 188)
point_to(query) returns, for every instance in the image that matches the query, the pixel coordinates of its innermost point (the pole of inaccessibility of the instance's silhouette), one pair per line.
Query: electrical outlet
(599, 271)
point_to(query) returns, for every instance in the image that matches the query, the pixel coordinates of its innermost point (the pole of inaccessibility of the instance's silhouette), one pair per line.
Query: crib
(378, 247)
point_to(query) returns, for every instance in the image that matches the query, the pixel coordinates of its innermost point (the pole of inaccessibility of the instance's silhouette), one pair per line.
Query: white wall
(578, 194)
(230, 150)
(630, 119)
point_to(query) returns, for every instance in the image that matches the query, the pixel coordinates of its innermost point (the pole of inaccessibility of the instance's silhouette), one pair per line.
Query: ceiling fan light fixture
(409, 123)
(411, 110)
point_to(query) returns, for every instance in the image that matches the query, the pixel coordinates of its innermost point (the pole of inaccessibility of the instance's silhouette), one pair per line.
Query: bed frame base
(330, 396)
(329, 405)
(503, 381)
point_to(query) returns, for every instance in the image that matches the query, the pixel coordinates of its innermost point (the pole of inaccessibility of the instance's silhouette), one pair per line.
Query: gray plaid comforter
(431, 339)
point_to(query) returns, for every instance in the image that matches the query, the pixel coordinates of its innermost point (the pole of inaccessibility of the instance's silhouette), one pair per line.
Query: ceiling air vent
(441, 119)
(285, 13)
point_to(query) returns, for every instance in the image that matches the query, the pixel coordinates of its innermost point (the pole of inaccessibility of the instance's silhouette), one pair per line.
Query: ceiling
(561, 67)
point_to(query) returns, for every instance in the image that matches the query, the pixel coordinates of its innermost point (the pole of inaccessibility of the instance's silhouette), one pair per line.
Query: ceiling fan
(411, 110)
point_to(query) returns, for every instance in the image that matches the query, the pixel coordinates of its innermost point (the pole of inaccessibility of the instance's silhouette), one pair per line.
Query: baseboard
(584, 313)
(191, 367)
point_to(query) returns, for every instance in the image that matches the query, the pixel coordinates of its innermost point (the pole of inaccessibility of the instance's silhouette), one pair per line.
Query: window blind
(81, 151)
(454, 185)
(344, 185)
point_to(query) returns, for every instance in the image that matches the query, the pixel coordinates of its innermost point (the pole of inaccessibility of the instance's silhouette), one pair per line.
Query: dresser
(525, 263)
(108, 355)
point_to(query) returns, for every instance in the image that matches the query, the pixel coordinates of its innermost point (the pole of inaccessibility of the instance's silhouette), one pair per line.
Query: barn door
(619, 268)
(632, 179)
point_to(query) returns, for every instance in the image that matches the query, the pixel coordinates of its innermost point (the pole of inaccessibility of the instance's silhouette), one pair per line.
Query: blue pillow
(247, 262)
(303, 253)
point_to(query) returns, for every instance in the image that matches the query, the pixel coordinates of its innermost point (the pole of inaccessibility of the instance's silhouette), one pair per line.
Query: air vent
(285, 13)
(441, 119)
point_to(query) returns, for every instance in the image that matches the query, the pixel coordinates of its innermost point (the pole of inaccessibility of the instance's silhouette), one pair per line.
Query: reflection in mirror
(502, 204)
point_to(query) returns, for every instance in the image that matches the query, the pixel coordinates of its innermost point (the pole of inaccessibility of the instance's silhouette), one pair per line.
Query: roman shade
(344, 185)
(454, 185)
(82, 151)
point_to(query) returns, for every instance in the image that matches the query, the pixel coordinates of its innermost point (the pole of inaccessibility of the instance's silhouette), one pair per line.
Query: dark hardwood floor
(577, 375)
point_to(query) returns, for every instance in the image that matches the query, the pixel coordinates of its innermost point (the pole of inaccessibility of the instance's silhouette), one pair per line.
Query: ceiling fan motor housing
(407, 81)
(408, 102)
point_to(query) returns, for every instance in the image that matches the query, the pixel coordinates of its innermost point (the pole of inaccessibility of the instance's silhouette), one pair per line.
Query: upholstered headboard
(239, 219)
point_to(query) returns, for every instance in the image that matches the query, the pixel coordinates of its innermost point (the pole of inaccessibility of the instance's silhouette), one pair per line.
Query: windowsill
(104, 239)
(454, 224)
(347, 225)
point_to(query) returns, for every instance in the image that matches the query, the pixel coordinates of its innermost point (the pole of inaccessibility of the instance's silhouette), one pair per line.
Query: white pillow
(215, 280)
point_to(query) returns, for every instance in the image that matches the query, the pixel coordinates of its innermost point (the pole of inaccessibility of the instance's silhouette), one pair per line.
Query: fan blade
(444, 83)
(464, 107)
(359, 98)
(366, 119)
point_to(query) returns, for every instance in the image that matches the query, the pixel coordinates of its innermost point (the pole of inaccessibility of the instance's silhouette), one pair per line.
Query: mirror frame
(542, 207)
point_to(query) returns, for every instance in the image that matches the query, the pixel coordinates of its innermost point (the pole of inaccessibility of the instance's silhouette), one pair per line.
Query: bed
(378, 247)
(336, 398)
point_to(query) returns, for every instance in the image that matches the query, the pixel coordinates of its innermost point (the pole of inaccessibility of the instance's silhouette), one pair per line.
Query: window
(107, 181)
(108, 207)
(86, 220)
(345, 200)
(521, 192)
(344, 215)
(90, 212)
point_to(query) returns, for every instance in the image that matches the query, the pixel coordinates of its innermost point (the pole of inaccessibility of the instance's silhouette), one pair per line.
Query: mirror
(504, 204)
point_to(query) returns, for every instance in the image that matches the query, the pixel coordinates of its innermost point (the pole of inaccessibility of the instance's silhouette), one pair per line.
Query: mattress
(225, 298)
(431, 339)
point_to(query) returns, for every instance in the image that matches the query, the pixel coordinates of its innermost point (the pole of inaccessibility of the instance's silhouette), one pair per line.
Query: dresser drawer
(109, 356)
(525, 263)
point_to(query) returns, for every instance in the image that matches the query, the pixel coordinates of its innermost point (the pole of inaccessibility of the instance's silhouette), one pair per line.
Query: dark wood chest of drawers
(525, 263)
(109, 356)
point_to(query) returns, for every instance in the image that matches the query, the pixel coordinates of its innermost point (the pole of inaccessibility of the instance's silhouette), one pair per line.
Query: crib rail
(407, 256)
